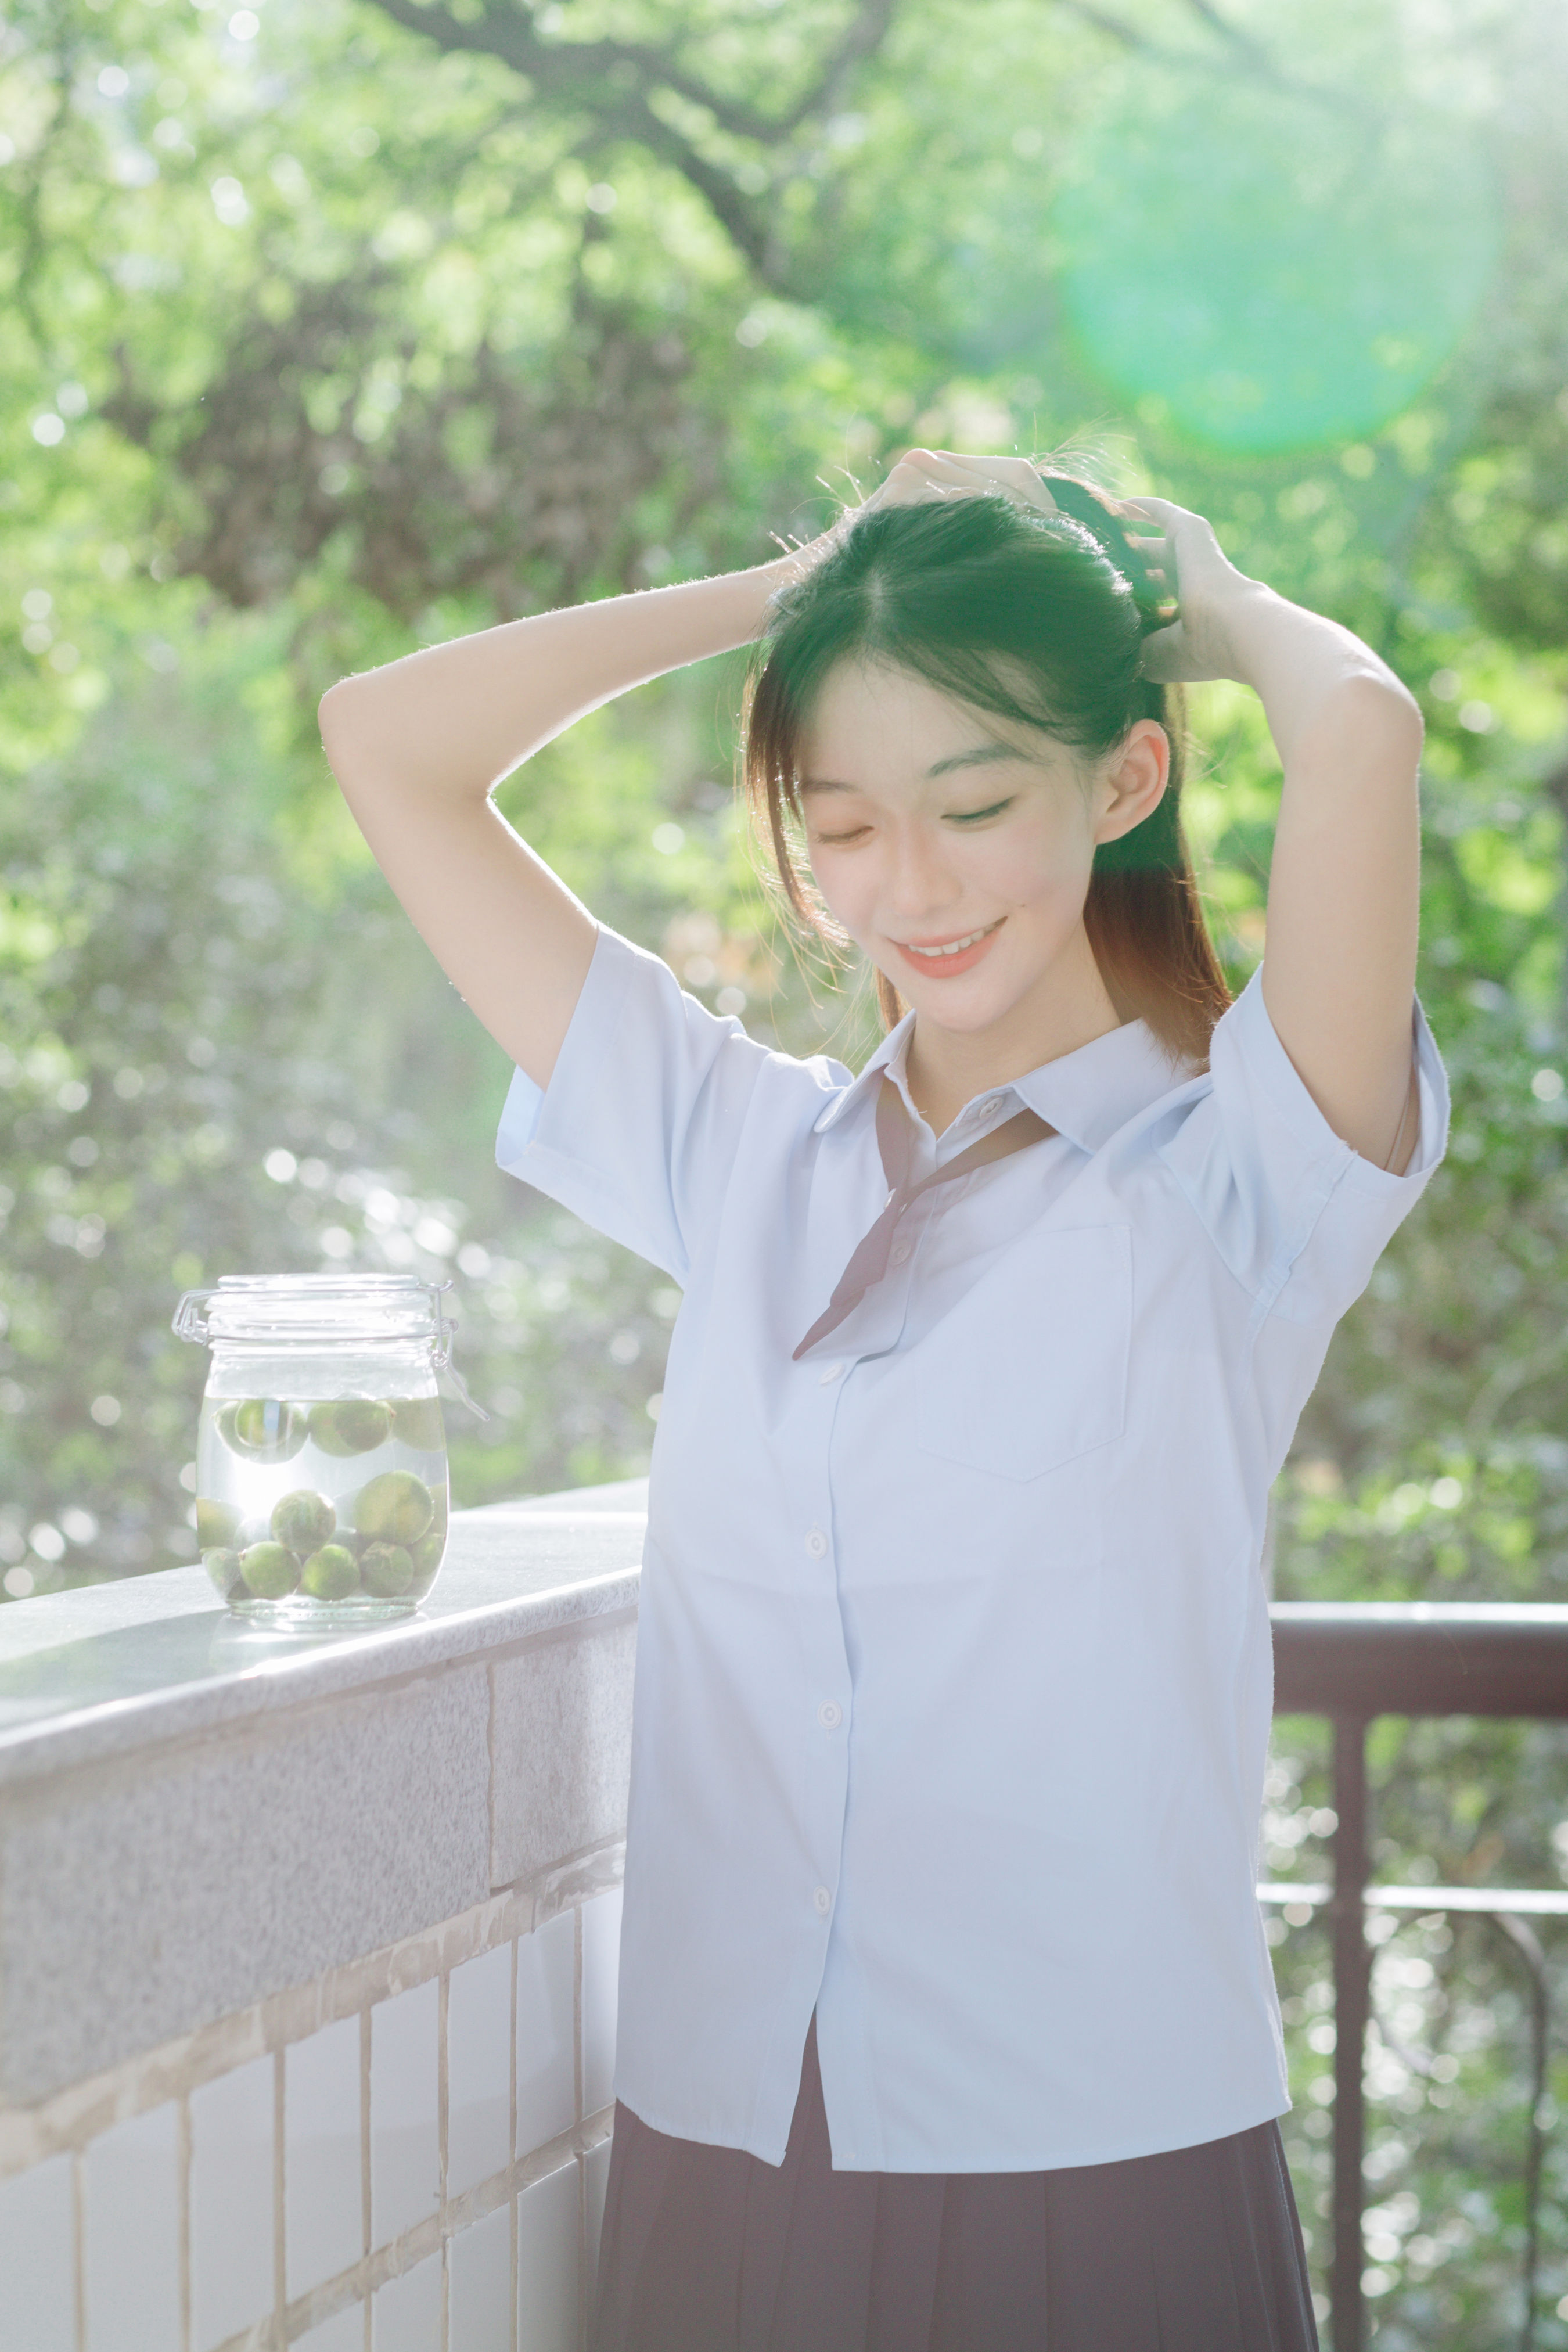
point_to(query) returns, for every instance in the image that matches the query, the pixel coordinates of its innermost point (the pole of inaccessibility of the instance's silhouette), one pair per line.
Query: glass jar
(321, 1485)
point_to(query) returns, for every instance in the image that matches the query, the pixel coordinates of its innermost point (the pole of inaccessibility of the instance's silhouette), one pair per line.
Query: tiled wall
(408, 2155)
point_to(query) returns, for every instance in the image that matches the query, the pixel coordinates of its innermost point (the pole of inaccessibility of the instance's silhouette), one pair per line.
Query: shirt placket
(872, 1329)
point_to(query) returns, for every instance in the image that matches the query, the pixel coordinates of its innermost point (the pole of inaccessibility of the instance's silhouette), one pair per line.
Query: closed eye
(978, 816)
(955, 817)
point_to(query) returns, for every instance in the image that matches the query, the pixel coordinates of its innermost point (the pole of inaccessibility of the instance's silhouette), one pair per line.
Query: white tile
(406, 2316)
(479, 2070)
(404, 2149)
(38, 2263)
(595, 2181)
(480, 2266)
(548, 2269)
(546, 2033)
(231, 2202)
(601, 1984)
(322, 2194)
(344, 2332)
(131, 2197)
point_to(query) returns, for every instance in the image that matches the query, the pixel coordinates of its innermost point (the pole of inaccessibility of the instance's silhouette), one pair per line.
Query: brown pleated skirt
(708, 2250)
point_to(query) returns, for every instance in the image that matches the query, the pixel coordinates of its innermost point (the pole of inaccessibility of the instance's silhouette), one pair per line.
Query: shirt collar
(890, 1058)
(1086, 1095)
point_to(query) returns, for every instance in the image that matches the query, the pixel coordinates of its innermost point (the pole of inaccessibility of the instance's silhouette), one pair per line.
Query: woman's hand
(1206, 641)
(922, 475)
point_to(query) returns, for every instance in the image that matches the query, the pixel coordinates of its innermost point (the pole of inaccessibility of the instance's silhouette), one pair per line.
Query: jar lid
(284, 1309)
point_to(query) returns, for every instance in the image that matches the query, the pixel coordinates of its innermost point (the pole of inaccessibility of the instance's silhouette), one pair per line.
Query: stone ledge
(176, 1849)
(93, 1675)
(140, 1901)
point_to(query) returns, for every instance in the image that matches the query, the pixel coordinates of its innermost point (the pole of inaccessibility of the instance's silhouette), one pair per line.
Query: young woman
(947, 2021)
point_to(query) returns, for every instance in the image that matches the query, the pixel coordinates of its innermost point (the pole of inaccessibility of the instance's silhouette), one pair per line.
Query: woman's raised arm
(418, 747)
(1339, 970)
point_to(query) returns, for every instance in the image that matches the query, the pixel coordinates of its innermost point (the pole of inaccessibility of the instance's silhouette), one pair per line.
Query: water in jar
(321, 1508)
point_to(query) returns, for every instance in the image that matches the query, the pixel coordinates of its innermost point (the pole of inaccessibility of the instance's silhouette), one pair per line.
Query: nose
(918, 887)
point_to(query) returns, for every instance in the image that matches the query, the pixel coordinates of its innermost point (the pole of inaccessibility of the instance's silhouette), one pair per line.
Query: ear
(1133, 779)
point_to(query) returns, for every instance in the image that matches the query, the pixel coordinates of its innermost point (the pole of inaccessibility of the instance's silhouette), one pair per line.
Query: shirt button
(828, 1374)
(830, 1714)
(817, 1543)
(824, 1901)
(898, 1254)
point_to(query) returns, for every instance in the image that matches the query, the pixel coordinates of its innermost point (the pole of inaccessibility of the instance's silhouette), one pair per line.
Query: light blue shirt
(955, 1674)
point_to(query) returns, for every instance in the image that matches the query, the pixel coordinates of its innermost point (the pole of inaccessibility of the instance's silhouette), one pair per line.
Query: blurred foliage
(330, 326)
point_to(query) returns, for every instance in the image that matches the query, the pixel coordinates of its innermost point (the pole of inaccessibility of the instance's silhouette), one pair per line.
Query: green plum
(302, 1520)
(263, 1428)
(427, 1552)
(269, 1569)
(217, 1524)
(331, 1572)
(396, 1508)
(386, 1569)
(417, 1421)
(351, 1426)
(222, 1564)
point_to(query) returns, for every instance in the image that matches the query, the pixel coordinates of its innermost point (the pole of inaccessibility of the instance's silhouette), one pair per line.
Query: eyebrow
(985, 755)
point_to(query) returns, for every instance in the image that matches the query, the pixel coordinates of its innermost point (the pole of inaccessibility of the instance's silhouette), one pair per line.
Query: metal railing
(1353, 1661)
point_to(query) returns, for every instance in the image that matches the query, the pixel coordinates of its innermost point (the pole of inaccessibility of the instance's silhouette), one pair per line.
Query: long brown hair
(1035, 618)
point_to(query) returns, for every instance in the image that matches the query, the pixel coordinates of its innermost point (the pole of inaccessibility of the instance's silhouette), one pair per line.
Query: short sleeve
(1297, 1215)
(639, 1125)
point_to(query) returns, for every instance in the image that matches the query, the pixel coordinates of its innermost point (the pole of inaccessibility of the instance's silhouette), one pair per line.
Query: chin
(962, 1005)
(963, 1020)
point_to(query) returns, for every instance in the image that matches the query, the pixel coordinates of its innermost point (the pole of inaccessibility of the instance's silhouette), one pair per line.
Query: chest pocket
(1029, 1371)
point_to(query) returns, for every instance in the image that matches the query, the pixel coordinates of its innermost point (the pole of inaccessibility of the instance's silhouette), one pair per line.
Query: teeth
(954, 947)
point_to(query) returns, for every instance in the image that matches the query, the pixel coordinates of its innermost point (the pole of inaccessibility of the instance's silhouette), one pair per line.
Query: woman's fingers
(921, 474)
(1019, 476)
(1167, 657)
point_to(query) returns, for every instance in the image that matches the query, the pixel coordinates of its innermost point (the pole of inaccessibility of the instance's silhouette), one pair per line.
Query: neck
(1069, 1006)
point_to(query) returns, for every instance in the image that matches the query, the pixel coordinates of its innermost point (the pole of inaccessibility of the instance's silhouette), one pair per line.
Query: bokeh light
(1267, 272)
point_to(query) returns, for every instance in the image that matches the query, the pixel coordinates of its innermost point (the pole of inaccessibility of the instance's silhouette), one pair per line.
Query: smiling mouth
(951, 946)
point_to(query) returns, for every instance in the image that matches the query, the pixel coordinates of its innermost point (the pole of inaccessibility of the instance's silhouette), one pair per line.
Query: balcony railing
(1351, 1662)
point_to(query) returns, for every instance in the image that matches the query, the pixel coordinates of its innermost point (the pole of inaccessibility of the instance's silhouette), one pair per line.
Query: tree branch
(1254, 58)
(612, 82)
(581, 70)
(1116, 27)
(1262, 65)
(632, 117)
(578, 71)
(1210, 15)
(867, 30)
